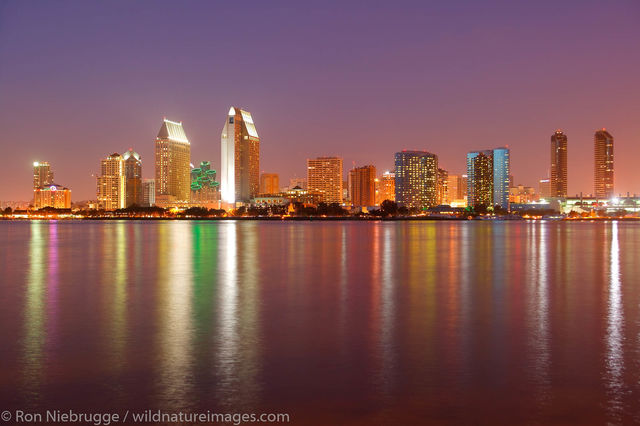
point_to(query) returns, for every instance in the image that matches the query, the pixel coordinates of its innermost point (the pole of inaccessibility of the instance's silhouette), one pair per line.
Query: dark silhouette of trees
(389, 208)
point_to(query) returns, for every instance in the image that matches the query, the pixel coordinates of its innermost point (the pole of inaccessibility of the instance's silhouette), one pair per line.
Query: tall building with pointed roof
(240, 158)
(133, 176)
(173, 156)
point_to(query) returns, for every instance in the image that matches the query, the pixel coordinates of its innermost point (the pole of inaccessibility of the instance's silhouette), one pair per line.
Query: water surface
(331, 322)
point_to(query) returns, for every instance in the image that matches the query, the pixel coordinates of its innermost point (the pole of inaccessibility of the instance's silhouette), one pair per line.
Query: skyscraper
(442, 192)
(324, 175)
(488, 177)
(148, 192)
(269, 183)
(173, 156)
(480, 178)
(111, 189)
(240, 158)
(133, 176)
(457, 190)
(362, 186)
(416, 178)
(558, 168)
(501, 173)
(603, 153)
(42, 174)
(386, 187)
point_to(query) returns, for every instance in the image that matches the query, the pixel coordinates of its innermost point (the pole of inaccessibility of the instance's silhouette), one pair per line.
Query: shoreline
(318, 219)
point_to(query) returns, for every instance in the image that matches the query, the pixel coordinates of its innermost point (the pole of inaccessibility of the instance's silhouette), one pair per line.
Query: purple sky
(80, 80)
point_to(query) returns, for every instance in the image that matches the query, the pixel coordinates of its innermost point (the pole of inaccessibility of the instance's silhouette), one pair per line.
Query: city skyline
(300, 97)
(244, 156)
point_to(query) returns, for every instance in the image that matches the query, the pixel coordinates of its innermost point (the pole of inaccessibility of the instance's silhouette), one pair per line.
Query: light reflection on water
(615, 323)
(334, 322)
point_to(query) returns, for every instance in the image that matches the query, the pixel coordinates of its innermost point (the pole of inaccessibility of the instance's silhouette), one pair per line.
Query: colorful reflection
(34, 312)
(615, 327)
(368, 323)
(174, 307)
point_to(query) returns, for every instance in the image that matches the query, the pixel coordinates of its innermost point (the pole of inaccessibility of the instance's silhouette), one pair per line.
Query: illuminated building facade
(544, 188)
(521, 194)
(603, 153)
(111, 189)
(302, 195)
(324, 175)
(558, 169)
(488, 174)
(240, 158)
(269, 183)
(416, 178)
(362, 186)
(148, 192)
(442, 192)
(480, 184)
(456, 190)
(205, 190)
(501, 177)
(133, 176)
(42, 174)
(172, 161)
(386, 187)
(52, 195)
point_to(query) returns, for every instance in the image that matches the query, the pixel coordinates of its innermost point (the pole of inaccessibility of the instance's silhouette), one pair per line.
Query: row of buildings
(47, 193)
(417, 180)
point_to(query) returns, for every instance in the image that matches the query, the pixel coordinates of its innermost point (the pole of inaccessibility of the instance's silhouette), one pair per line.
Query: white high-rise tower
(240, 158)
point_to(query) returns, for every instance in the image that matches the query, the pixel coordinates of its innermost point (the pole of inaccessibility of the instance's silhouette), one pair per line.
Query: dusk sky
(362, 80)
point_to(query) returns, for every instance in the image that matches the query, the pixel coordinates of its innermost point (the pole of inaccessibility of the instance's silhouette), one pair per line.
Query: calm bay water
(331, 322)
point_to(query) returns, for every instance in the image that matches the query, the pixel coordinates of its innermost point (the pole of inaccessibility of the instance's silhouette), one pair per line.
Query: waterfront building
(148, 192)
(416, 177)
(302, 195)
(544, 188)
(521, 194)
(603, 173)
(442, 191)
(133, 176)
(456, 190)
(52, 195)
(480, 172)
(362, 186)
(172, 164)
(501, 173)
(111, 189)
(42, 174)
(558, 169)
(240, 158)
(620, 205)
(205, 190)
(386, 187)
(488, 174)
(324, 175)
(269, 183)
